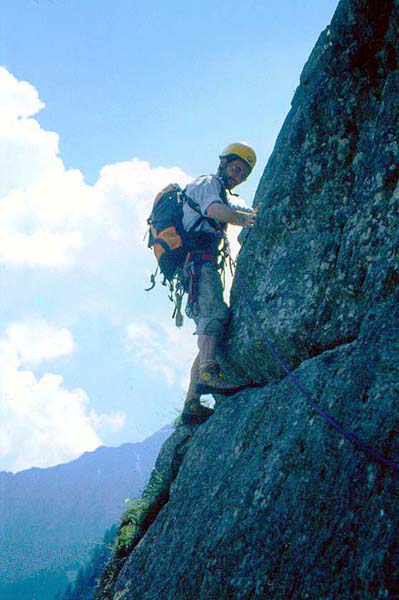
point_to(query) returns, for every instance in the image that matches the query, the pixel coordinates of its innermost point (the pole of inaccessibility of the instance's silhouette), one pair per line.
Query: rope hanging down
(349, 435)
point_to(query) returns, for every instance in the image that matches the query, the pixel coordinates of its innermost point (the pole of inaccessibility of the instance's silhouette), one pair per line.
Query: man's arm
(226, 214)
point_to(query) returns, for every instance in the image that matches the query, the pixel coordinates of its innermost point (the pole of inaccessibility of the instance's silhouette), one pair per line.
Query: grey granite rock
(142, 513)
(273, 502)
(326, 247)
(275, 499)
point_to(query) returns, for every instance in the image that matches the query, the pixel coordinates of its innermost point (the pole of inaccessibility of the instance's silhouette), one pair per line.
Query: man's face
(234, 172)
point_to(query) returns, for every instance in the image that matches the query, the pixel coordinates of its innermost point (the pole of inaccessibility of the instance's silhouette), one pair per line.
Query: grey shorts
(210, 312)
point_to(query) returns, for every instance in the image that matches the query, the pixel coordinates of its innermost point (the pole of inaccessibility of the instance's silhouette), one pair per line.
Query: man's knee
(213, 325)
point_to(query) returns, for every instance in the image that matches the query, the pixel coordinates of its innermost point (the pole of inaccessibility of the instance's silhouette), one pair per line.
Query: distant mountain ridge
(50, 518)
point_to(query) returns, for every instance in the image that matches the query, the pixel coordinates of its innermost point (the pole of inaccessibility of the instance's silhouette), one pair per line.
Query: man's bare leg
(194, 412)
(204, 358)
(194, 374)
(210, 380)
(207, 350)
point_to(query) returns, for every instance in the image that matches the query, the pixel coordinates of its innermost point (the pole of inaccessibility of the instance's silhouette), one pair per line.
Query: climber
(206, 305)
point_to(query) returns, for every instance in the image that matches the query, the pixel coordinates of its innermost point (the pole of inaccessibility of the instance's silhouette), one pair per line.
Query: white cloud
(41, 422)
(163, 349)
(129, 189)
(18, 98)
(49, 217)
(39, 249)
(36, 341)
(26, 150)
(42, 206)
(114, 421)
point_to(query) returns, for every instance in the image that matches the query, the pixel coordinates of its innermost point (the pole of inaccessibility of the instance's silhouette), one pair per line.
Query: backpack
(171, 243)
(167, 237)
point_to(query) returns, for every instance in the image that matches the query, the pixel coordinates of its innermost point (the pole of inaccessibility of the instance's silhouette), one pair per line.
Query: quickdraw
(176, 296)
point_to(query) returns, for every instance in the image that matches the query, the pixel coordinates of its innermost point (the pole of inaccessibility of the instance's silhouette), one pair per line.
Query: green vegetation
(135, 522)
(140, 514)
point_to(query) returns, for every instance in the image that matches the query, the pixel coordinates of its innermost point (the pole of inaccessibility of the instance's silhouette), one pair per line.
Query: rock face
(326, 247)
(270, 500)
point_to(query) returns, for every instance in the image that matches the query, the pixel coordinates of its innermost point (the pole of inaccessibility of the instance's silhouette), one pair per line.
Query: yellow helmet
(241, 150)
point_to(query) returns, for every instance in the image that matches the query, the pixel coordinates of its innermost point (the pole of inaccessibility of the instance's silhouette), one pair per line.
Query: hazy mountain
(50, 518)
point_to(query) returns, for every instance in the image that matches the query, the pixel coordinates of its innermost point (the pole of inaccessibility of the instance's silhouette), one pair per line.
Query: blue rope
(352, 437)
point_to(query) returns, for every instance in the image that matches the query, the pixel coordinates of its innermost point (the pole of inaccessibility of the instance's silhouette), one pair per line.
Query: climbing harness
(349, 435)
(186, 279)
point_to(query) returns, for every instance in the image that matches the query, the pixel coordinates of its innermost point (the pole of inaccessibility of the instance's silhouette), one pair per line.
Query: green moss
(131, 529)
(135, 522)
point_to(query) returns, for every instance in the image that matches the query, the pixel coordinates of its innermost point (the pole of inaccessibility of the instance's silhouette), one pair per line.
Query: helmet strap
(221, 172)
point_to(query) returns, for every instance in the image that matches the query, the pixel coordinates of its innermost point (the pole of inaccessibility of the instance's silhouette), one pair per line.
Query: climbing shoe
(211, 381)
(195, 413)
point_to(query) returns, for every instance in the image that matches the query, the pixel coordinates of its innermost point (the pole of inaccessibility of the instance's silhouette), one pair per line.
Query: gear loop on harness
(192, 268)
(152, 281)
(178, 301)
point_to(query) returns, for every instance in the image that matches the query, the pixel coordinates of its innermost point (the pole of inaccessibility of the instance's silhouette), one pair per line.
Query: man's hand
(225, 214)
(249, 218)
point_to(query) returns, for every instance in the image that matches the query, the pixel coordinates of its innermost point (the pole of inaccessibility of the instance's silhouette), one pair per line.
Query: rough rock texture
(271, 503)
(142, 513)
(326, 247)
(270, 500)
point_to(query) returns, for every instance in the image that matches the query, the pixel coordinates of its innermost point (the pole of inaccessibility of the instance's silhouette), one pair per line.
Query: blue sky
(102, 104)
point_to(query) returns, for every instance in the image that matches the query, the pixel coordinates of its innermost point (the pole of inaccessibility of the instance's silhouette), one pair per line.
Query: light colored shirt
(204, 191)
